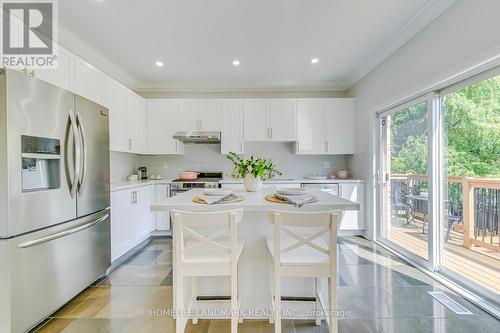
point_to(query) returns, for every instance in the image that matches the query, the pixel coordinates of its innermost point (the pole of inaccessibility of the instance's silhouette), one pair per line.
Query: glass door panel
(405, 201)
(471, 186)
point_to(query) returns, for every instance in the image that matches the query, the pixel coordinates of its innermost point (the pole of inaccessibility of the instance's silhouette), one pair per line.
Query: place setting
(297, 197)
(217, 196)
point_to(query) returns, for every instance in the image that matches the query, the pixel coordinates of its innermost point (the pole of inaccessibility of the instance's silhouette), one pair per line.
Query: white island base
(254, 266)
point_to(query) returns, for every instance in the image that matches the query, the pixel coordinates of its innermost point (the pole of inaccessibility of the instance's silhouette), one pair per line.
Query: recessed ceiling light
(314, 60)
(159, 64)
(236, 62)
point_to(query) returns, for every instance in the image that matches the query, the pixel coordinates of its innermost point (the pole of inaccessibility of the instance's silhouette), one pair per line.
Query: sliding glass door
(404, 152)
(439, 182)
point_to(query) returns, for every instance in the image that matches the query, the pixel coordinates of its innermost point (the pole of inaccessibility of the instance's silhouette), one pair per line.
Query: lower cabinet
(162, 220)
(241, 187)
(353, 220)
(131, 218)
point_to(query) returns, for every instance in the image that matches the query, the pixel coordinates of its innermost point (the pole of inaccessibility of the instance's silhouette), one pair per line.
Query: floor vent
(449, 303)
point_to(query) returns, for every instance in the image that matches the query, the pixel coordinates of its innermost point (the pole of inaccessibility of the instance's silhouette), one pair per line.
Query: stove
(205, 180)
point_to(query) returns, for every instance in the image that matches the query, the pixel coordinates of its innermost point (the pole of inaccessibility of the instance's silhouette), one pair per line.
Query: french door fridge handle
(62, 233)
(83, 175)
(76, 145)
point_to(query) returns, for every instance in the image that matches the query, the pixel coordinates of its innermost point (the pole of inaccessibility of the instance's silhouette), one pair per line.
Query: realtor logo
(29, 31)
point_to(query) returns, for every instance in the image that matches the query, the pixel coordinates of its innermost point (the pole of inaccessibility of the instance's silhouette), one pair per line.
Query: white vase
(252, 183)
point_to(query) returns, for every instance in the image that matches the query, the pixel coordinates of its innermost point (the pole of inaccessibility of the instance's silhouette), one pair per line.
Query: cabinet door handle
(201, 126)
(326, 146)
(298, 147)
(129, 143)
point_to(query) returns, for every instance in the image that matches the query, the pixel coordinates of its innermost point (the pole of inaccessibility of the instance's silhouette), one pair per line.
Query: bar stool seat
(207, 254)
(301, 256)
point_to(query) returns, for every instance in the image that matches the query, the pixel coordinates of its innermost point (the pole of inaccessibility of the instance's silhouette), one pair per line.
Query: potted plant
(253, 170)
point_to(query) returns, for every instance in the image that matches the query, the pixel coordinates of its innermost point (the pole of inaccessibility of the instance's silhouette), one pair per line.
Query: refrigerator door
(49, 267)
(40, 152)
(94, 182)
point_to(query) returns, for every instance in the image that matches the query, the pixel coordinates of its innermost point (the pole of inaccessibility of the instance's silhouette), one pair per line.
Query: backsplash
(122, 165)
(208, 158)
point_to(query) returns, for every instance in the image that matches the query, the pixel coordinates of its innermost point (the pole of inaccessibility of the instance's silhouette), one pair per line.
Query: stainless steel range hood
(198, 137)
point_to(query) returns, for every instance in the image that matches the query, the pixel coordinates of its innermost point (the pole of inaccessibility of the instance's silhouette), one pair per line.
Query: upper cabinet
(63, 75)
(310, 126)
(255, 120)
(231, 126)
(89, 81)
(115, 99)
(340, 127)
(136, 119)
(199, 114)
(270, 119)
(162, 123)
(325, 126)
(282, 119)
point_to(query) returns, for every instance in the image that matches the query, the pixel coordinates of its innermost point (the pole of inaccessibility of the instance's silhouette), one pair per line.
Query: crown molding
(431, 10)
(76, 45)
(332, 86)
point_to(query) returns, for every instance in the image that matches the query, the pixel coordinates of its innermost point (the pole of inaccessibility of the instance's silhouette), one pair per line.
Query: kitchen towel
(214, 199)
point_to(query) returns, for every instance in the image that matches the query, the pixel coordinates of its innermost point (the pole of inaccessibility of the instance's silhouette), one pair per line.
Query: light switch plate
(164, 165)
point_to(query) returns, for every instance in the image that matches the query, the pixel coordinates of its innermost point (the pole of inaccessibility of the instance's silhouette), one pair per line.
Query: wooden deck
(477, 264)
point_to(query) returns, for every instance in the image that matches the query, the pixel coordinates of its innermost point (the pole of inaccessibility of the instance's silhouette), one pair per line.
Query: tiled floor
(381, 293)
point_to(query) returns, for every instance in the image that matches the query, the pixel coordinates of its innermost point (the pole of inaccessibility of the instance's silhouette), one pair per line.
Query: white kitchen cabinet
(136, 120)
(89, 81)
(255, 120)
(325, 126)
(131, 218)
(162, 219)
(189, 111)
(282, 119)
(141, 215)
(270, 119)
(231, 126)
(210, 115)
(162, 124)
(115, 99)
(353, 220)
(199, 114)
(121, 224)
(63, 75)
(310, 126)
(340, 127)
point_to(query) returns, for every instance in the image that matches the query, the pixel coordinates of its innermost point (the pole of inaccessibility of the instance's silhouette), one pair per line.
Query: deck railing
(476, 201)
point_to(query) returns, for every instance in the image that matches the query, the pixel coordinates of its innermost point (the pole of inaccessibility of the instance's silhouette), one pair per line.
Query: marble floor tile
(437, 325)
(345, 326)
(144, 257)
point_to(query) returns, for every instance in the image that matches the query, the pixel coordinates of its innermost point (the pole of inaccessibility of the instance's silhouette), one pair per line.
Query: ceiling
(274, 40)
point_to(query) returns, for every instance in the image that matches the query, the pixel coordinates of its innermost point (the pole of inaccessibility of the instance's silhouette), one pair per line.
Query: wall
(208, 158)
(122, 165)
(466, 31)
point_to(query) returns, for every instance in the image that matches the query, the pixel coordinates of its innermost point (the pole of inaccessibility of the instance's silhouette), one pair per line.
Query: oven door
(175, 191)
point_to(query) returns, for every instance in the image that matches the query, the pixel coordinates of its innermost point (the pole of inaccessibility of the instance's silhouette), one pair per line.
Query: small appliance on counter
(143, 173)
(342, 174)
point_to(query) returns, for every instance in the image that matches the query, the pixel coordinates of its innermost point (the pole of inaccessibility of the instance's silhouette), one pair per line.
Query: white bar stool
(197, 254)
(298, 253)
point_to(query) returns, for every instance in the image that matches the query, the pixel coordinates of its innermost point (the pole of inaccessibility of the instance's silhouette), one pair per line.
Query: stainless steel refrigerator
(54, 198)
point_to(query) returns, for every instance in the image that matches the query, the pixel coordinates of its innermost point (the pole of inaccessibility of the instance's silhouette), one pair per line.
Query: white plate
(291, 191)
(217, 191)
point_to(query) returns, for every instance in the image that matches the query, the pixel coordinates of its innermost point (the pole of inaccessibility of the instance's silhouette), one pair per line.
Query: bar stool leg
(195, 302)
(332, 295)
(317, 305)
(277, 301)
(234, 299)
(179, 322)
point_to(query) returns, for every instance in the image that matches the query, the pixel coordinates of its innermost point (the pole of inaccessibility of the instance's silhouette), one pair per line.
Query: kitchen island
(254, 263)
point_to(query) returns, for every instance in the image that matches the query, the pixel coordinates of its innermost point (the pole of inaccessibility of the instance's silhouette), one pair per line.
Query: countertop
(295, 181)
(126, 184)
(254, 202)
